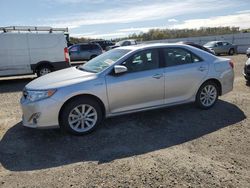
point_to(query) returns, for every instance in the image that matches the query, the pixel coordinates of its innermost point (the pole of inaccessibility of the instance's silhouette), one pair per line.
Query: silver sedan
(221, 47)
(125, 80)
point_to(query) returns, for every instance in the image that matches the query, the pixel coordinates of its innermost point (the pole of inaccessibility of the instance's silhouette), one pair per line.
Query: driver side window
(145, 60)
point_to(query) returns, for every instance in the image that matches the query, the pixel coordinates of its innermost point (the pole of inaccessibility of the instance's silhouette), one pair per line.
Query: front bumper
(40, 114)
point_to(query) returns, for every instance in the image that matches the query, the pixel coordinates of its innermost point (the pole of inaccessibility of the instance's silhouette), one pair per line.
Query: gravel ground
(174, 147)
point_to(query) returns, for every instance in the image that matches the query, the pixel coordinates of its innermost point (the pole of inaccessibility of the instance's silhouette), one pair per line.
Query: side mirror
(118, 69)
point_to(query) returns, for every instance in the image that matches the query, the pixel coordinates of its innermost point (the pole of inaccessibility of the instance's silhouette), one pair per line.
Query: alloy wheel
(82, 118)
(208, 95)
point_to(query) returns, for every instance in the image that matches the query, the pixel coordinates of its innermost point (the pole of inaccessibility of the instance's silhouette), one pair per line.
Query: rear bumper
(227, 81)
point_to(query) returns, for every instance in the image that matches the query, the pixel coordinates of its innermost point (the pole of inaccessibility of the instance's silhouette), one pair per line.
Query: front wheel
(207, 95)
(231, 51)
(80, 116)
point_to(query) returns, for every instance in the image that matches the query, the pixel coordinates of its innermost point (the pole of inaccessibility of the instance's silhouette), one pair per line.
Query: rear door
(74, 52)
(183, 74)
(14, 53)
(85, 51)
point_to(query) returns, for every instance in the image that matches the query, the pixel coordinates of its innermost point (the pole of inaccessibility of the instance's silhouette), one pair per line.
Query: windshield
(103, 61)
(210, 44)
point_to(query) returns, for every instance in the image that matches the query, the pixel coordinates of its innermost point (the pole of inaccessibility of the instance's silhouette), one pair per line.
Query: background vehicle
(222, 47)
(84, 51)
(105, 44)
(199, 46)
(248, 52)
(124, 43)
(246, 71)
(125, 80)
(40, 52)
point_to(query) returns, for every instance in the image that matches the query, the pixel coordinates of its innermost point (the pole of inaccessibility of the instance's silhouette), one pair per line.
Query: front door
(141, 87)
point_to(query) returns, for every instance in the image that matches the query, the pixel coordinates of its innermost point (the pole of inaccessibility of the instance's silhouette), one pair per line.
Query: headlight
(32, 95)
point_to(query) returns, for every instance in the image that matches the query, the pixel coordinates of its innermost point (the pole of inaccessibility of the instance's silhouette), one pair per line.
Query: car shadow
(24, 149)
(13, 85)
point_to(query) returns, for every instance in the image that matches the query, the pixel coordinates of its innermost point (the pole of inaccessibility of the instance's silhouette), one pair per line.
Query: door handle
(157, 76)
(201, 68)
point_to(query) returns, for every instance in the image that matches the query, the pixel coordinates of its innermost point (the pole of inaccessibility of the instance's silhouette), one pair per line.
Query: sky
(119, 18)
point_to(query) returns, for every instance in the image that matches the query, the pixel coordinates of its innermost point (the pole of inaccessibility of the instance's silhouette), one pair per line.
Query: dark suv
(105, 44)
(84, 51)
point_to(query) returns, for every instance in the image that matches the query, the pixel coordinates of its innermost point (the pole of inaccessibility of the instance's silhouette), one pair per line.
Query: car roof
(87, 43)
(219, 41)
(153, 45)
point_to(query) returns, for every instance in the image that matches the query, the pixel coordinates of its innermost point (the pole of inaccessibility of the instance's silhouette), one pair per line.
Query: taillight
(231, 64)
(66, 54)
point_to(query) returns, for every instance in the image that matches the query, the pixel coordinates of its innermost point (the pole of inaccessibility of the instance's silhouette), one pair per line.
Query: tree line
(159, 34)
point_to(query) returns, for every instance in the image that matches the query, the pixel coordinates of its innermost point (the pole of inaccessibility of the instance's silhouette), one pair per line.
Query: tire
(75, 122)
(43, 70)
(204, 100)
(231, 51)
(247, 79)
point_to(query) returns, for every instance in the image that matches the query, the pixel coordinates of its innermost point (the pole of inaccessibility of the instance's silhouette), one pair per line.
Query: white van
(31, 52)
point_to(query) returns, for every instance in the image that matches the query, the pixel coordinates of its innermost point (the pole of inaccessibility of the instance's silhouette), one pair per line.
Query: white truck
(30, 50)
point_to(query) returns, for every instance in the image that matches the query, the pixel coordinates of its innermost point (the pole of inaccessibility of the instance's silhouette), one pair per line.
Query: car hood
(60, 78)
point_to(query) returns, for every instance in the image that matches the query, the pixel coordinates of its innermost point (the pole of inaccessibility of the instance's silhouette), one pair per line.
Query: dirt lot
(175, 147)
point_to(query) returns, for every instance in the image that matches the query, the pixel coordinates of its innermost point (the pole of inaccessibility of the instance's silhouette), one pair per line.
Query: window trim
(189, 51)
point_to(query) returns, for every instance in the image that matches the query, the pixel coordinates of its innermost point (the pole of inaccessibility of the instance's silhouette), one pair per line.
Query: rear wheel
(81, 116)
(43, 70)
(207, 95)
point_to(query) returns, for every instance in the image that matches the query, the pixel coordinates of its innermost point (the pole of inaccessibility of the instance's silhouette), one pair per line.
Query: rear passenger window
(95, 47)
(85, 47)
(179, 56)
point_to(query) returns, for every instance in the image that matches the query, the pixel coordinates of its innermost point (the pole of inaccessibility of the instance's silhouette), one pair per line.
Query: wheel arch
(36, 66)
(90, 96)
(216, 81)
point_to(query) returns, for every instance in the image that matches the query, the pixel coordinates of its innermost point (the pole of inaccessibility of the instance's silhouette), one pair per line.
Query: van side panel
(14, 54)
(46, 47)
